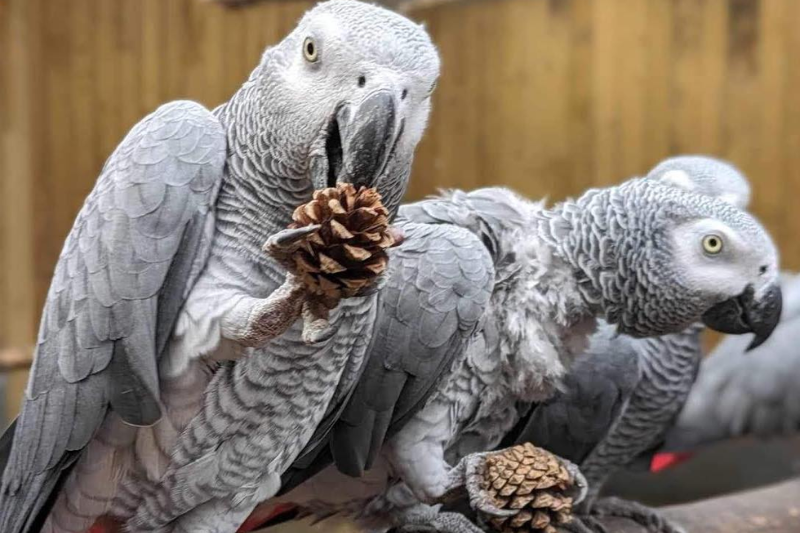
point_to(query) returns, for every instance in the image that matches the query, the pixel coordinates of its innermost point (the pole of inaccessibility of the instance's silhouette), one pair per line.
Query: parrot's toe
(428, 519)
(475, 481)
(583, 524)
(580, 487)
(648, 517)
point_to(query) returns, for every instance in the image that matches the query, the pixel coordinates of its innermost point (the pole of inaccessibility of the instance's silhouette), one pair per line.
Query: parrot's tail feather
(5, 446)
(662, 461)
(27, 509)
(267, 517)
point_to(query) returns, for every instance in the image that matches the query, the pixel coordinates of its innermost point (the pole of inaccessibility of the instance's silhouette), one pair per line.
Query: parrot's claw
(283, 244)
(580, 487)
(428, 519)
(648, 517)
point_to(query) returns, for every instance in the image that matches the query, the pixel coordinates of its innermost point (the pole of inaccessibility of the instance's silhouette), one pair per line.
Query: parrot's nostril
(362, 81)
(763, 269)
(405, 93)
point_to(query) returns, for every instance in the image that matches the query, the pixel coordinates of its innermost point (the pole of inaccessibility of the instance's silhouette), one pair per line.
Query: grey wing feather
(119, 282)
(486, 212)
(596, 389)
(740, 393)
(440, 285)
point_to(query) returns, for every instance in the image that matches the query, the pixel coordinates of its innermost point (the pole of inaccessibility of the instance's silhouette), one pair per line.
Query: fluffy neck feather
(267, 169)
(538, 306)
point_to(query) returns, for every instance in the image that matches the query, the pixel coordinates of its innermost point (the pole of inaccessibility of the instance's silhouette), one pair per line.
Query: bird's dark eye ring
(310, 51)
(712, 244)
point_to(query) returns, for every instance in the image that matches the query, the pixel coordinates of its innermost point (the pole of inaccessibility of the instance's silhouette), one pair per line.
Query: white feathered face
(352, 84)
(718, 258)
(730, 261)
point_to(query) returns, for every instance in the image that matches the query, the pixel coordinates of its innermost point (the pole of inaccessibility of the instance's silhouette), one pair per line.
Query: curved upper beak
(748, 314)
(368, 136)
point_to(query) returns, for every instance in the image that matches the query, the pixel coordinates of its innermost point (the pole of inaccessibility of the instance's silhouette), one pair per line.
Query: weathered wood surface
(774, 509)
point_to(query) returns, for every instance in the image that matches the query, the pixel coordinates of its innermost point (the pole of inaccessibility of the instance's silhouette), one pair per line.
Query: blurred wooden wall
(547, 96)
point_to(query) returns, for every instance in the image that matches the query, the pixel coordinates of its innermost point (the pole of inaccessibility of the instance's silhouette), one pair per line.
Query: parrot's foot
(583, 524)
(469, 474)
(648, 517)
(429, 519)
(580, 487)
(316, 327)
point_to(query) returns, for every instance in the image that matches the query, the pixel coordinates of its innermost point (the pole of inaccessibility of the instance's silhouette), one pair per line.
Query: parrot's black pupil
(310, 48)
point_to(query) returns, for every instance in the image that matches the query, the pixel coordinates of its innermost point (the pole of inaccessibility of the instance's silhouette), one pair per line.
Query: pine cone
(533, 480)
(349, 250)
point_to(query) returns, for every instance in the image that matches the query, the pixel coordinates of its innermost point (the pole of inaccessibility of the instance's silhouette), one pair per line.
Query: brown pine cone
(533, 480)
(349, 250)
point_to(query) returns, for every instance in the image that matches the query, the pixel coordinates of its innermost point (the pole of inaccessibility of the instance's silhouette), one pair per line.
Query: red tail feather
(662, 461)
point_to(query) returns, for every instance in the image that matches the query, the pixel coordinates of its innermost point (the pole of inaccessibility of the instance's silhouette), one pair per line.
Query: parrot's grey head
(347, 95)
(704, 175)
(658, 258)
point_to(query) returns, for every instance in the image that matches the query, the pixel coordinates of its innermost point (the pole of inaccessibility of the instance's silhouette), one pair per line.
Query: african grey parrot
(740, 392)
(621, 397)
(156, 396)
(444, 384)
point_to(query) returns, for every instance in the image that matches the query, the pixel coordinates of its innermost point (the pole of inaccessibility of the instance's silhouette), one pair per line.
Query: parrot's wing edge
(123, 274)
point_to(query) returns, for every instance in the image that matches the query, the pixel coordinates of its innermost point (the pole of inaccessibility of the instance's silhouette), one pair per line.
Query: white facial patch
(725, 273)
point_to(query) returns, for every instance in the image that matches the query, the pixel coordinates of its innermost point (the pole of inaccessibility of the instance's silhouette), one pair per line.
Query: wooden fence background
(547, 96)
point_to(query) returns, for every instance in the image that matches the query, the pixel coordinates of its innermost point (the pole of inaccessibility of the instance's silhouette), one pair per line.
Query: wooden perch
(773, 509)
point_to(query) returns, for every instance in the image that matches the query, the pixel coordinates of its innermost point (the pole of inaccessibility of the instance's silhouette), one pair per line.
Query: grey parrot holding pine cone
(165, 394)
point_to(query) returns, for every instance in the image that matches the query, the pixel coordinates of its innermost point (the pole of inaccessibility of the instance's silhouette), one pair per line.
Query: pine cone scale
(349, 250)
(532, 481)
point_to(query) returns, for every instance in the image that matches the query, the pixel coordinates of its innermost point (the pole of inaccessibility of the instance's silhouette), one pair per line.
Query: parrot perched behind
(157, 396)
(740, 392)
(443, 385)
(621, 397)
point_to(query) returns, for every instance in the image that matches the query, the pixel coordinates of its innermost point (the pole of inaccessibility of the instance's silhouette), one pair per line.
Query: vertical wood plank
(548, 96)
(20, 70)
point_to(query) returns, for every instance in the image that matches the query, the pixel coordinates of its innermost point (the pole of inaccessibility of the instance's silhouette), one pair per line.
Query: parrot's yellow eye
(310, 51)
(712, 244)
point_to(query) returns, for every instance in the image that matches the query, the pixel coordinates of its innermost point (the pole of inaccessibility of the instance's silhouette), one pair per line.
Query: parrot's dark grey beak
(748, 314)
(368, 137)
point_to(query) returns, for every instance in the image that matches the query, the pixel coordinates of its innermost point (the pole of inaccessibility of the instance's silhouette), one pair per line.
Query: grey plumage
(704, 175)
(621, 397)
(555, 271)
(103, 326)
(618, 401)
(742, 393)
(151, 376)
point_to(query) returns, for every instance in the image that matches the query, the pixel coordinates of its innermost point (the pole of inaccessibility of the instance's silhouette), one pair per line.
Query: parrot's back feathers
(122, 275)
